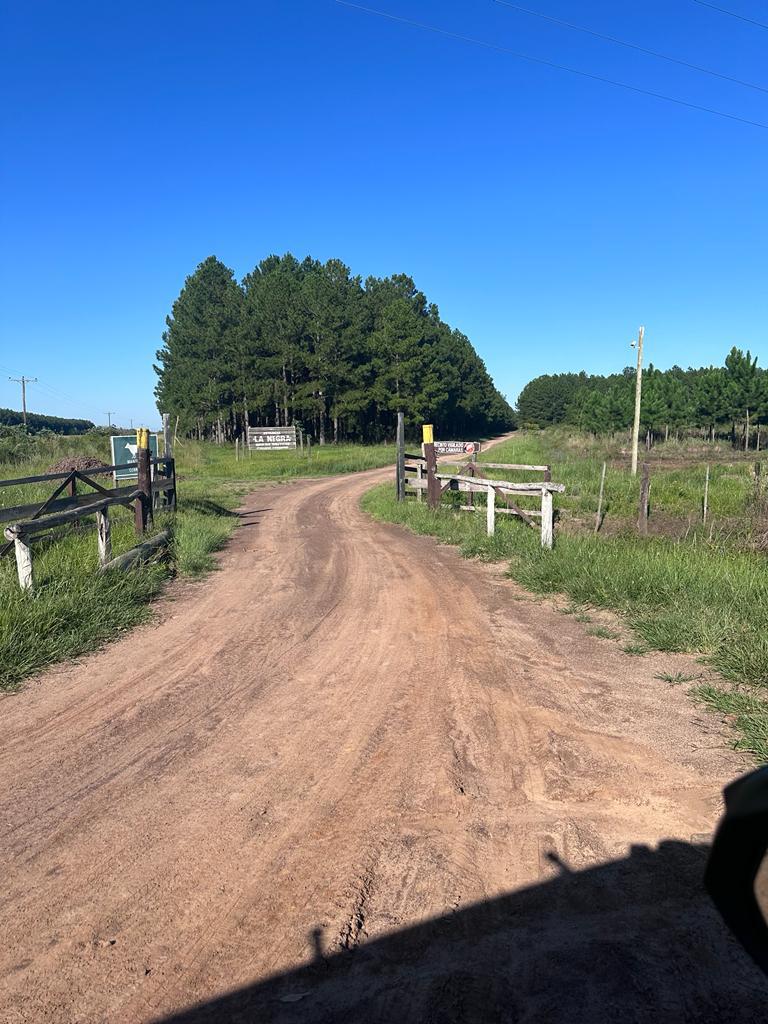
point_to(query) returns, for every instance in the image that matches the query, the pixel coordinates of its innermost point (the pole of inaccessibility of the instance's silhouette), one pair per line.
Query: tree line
(729, 400)
(37, 421)
(311, 344)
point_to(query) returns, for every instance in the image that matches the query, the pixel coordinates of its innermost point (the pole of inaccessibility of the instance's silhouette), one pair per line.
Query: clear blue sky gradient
(547, 215)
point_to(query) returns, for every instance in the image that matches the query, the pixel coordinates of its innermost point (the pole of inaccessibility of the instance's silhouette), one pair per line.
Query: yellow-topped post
(144, 483)
(428, 447)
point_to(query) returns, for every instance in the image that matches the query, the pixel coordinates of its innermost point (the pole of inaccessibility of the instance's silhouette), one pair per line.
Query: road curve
(352, 776)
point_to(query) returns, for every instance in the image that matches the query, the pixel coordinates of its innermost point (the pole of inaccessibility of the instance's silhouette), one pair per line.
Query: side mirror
(737, 871)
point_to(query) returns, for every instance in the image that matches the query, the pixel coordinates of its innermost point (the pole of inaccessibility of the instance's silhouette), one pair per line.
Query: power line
(550, 64)
(731, 14)
(630, 46)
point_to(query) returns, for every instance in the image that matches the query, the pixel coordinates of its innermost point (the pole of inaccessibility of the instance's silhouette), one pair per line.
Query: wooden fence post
(23, 563)
(400, 461)
(433, 484)
(645, 492)
(104, 536)
(705, 508)
(144, 501)
(600, 500)
(547, 518)
(490, 512)
(419, 477)
(72, 492)
(167, 442)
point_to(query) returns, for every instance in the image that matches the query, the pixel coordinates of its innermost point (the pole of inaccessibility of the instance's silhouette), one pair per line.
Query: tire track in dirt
(347, 730)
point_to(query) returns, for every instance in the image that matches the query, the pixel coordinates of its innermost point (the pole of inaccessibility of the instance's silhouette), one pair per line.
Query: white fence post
(104, 536)
(23, 563)
(546, 517)
(490, 512)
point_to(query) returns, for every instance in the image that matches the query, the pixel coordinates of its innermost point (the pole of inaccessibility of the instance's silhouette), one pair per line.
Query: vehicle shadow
(633, 940)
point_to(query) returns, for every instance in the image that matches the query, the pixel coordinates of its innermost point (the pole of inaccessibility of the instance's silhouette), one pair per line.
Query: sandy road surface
(360, 782)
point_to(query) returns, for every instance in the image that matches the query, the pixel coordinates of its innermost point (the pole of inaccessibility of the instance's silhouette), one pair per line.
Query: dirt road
(350, 776)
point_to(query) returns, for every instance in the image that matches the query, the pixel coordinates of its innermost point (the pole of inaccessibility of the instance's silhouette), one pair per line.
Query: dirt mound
(80, 462)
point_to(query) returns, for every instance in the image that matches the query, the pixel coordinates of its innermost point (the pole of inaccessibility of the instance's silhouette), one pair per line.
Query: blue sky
(545, 213)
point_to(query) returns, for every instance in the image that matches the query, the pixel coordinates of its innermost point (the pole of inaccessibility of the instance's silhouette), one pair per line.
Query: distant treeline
(715, 400)
(37, 421)
(309, 343)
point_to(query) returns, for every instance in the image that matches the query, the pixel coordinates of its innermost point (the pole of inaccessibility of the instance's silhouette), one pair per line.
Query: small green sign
(124, 454)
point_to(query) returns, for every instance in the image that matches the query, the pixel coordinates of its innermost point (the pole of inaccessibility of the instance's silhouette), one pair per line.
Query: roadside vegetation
(687, 589)
(73, 610)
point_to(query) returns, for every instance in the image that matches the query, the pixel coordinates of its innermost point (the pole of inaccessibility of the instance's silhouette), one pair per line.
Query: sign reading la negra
(271, 438)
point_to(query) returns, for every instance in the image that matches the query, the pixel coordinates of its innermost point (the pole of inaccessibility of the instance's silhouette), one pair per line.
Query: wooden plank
(507, 485)
(138, 554)
(14, 513)
(476, 486)
(515, 465)
(512, 511)
(28, 526)
(547, 519)
(97, 471)
(420, 458)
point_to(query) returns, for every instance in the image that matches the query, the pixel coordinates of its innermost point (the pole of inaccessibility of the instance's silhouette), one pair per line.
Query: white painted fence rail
(506, 490)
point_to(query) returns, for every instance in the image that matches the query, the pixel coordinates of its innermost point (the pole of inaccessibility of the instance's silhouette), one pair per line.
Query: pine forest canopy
(307, 343)
(713, 399)
(38, 421)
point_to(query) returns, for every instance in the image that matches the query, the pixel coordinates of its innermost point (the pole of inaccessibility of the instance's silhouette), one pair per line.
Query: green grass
(705, 599)
(747, 709)
(675, 678)
(73, 610)
(603, 633)
(676, 490)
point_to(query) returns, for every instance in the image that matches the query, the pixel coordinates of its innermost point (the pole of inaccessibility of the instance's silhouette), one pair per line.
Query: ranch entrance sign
(271, 438)
(124, 454)
(456, 447)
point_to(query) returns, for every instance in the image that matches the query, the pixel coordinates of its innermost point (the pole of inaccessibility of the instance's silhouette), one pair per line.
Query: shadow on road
(633, 940)
(213, 508)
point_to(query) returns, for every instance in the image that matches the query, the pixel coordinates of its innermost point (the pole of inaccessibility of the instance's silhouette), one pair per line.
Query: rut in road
(350, 735)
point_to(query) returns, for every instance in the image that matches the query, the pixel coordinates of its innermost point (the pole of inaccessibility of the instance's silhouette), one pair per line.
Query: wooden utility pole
(638, 398)
(24, 381)
(400, 457)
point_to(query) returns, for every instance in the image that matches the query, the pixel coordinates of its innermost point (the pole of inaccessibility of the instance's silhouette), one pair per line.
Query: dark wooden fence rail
(27, 521)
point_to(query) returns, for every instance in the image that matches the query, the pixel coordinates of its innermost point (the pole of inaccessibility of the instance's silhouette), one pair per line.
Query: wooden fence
(420, 474)
(60, 509)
